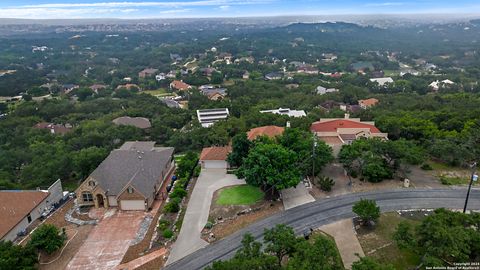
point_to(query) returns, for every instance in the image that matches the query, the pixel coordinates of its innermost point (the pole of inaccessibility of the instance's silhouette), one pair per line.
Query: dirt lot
(238, 222)
(60, 259)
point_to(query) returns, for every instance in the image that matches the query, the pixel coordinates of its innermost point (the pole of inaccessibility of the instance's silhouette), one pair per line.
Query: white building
(437, 84)
(209, 116)
(287, 111)
(322, 90)
(382, 81)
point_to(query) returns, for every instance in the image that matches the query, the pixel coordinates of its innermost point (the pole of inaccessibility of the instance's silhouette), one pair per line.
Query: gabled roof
(16, 205)
(270, 131)
(139, 122)
(368, 102)
(332, 126)
(135, 163)
(179, 85)
(215, 153)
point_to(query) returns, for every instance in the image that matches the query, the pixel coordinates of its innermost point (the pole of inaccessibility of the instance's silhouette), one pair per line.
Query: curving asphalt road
(325, 211)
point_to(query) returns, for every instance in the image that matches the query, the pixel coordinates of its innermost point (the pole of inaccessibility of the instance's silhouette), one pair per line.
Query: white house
(209, 116)
(215, 157)
(322, 90)
(382, 81)
(437, 84)
(287, 111)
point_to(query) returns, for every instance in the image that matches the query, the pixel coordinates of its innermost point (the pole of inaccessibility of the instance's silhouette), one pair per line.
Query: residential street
(198, 209)
(326, 211)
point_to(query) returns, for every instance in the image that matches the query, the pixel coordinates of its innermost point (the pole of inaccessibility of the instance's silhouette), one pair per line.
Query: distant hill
(324, 27)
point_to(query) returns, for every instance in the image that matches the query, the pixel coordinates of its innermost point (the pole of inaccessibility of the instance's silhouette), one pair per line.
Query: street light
(474, 178)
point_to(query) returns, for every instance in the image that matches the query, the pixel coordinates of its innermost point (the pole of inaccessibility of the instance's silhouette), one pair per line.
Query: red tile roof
(179, 85)
(15, 206)
(270, 131)
(368, 102)
(332, 126)
(215, 153)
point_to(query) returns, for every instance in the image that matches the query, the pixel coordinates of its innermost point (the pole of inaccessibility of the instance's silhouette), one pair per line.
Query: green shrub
(47, 238)
(354, 174)
(426, 167)
(325, 183)
(178, 192)
(196, 172)
(209, 225)
(167, 234)
(173, 206)
(163, 225)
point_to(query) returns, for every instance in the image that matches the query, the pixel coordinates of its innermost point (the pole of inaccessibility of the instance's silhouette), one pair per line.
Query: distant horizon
(173, 9)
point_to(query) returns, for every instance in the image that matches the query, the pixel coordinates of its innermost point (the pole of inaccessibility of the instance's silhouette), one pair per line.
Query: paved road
(321, 212)
(196, 216)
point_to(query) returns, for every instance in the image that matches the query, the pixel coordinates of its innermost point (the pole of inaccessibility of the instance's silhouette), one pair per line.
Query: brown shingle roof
(215, 153)
(368, 102)
(15, 206)
(179, 85)
(139, 122)
(270, 131)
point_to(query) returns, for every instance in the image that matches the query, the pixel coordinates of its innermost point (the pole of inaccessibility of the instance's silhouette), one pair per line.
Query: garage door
(215, 164)
(132, 205)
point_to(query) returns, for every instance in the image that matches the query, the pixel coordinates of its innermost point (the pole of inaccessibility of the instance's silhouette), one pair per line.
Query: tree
(367, 263)
(47, 238)
(240, 147)
(321, 255)
(87, 159)
(281, 241)
(325, 183)
(17, 257)
(403, 235)
(367, 210)
(271, 166)
(248, 257)
(186, 164)
(308, 155)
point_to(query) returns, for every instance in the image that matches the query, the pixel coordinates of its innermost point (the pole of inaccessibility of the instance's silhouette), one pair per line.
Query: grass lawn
(378, 242)
(239, 195)
(158, 92)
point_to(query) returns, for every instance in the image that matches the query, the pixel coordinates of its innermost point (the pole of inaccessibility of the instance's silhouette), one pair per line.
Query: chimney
(347, 116)
(288, 124)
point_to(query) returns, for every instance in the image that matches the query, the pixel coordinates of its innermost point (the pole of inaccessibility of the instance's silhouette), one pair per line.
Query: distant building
(170, 102)
(435, 86)
(179, 85)
(57, 129)
(269, 131)
(160, 77)
(138, 122)
(176, 57)
(97, 87)
(274, 76)
(208, 117)
(214, 93)
(148, 72)
(367, 103)
(67, 88)
(129, 86)
(336, 132)
(382, 81)
(307, 69)
(287, 111)
(246, 75)
(322, 90)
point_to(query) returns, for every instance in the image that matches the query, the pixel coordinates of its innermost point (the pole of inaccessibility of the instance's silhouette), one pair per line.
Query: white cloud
(55, 13)
(385, 4)
(149, 4)
(225, 7)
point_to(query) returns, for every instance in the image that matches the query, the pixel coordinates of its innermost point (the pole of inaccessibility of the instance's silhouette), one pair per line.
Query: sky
(137, 9)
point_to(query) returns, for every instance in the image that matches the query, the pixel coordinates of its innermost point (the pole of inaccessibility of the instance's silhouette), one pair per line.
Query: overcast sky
(68, 9)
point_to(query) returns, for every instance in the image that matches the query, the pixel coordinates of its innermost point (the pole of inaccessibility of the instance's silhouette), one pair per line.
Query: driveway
(189, 240)
(326, 211)
(295, 196)
(108, 241)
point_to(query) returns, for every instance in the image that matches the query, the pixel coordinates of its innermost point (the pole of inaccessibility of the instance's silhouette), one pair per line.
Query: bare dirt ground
(227, 227)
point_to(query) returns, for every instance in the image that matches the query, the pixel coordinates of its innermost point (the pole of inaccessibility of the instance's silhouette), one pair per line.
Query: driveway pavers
(108, 241)
(196, 216)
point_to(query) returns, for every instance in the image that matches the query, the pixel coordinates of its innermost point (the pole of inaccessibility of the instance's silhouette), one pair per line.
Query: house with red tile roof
(367, 103)
(179, 85)
(215, 157)
(269, 131)
(336, 132)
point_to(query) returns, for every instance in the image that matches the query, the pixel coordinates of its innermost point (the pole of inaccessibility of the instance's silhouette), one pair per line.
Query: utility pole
(474, 178)
(313, 156)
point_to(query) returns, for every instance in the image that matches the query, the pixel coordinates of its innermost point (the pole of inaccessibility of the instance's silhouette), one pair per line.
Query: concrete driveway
(196, 216)
(108, 241)
(295, 196)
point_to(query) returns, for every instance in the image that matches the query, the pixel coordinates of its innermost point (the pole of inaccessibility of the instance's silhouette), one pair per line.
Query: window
(29, 218)
(91, 183)
(130, 190)
(87, 197)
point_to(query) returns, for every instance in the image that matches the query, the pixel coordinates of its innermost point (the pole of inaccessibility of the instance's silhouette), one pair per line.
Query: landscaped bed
(239, 195)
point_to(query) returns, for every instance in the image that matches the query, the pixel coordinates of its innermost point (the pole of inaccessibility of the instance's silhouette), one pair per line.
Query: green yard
(239, 195)
(378, 242)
